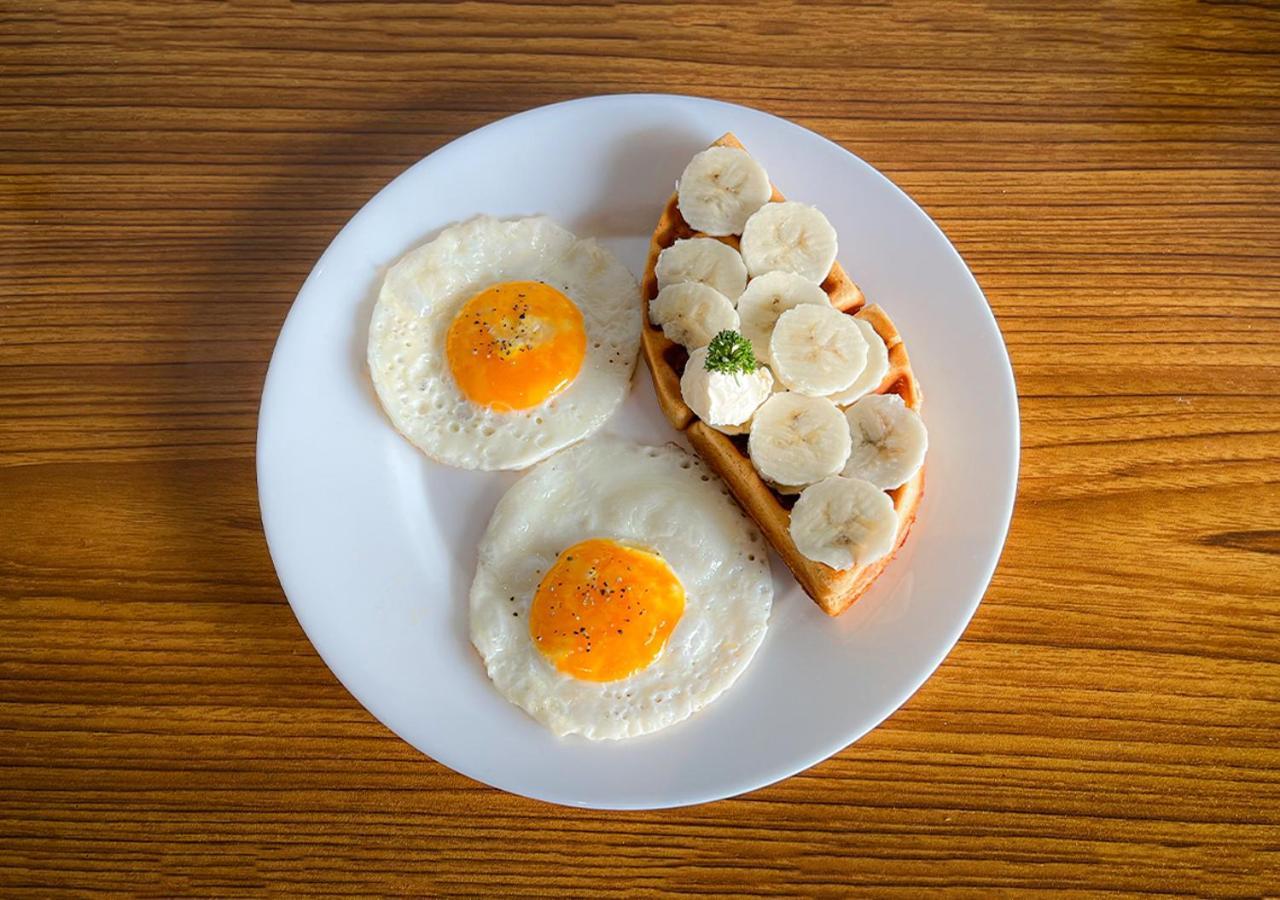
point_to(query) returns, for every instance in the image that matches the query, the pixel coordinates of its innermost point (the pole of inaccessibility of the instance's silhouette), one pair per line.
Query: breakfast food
(873, 373)
(720, 189)
(500, 342)
(789, 237)
(817, 350)
(691, 313)
(717, 390)
(889, 441)
(766, 298)
(704, 260)
(797, 440)
(844, 522)
(830, 462)
(618, 590)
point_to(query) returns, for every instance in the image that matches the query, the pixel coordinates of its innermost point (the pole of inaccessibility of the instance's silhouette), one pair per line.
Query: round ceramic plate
(375, 545)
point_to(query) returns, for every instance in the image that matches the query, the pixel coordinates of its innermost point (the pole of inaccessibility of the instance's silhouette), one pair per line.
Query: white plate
(374, 544)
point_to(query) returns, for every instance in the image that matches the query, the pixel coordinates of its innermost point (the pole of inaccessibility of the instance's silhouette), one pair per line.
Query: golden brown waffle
(832, 589)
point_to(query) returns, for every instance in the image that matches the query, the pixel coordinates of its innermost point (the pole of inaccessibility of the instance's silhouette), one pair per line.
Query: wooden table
(1111, 172)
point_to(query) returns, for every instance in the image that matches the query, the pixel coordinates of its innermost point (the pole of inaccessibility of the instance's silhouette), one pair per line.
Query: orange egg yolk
(516, 344)
(604, 610)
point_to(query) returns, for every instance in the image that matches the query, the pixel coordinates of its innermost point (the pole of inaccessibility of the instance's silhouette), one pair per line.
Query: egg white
(422, 294)
(659, 498)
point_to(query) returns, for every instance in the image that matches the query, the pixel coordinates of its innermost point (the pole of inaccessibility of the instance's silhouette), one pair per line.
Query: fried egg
(500, 342)
(619, 590)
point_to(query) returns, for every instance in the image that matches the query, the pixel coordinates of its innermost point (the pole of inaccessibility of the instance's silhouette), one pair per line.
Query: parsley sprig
(729, 352)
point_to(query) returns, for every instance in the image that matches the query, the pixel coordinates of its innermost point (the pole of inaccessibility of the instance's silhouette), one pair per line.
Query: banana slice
(873, 373)
(768, 296)
(706, 261)
(720, 189)
(889, 441)
(791, 489)
(723, 399)
(790, 236)
(817, 350)
(844, 522)
(744, 428)
(797, 440)
(692, 314)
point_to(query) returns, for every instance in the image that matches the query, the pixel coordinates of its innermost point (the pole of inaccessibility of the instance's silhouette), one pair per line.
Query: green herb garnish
(731, 353)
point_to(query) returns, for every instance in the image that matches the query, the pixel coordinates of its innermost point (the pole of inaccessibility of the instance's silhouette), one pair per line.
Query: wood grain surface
(1110, 171)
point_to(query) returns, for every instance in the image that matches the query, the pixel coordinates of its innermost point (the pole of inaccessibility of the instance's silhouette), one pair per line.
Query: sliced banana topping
(817, 350)
(692, 314)
(889, 441)
(797, 440)
(706, 261)
(844, 522)
(771, 358)
(720, 189)
(792, 237)
(768, 296)
(873, 373)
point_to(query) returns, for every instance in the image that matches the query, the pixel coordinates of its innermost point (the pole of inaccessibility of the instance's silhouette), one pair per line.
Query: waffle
(834, 590)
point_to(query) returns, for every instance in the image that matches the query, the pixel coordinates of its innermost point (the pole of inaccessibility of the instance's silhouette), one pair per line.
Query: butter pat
(719, 398)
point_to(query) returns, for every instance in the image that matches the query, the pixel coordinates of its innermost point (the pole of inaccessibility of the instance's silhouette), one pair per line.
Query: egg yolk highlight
(516, 344)
(604, 610)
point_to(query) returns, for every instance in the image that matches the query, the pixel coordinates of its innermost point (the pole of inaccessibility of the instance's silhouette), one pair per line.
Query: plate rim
(827, 749)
